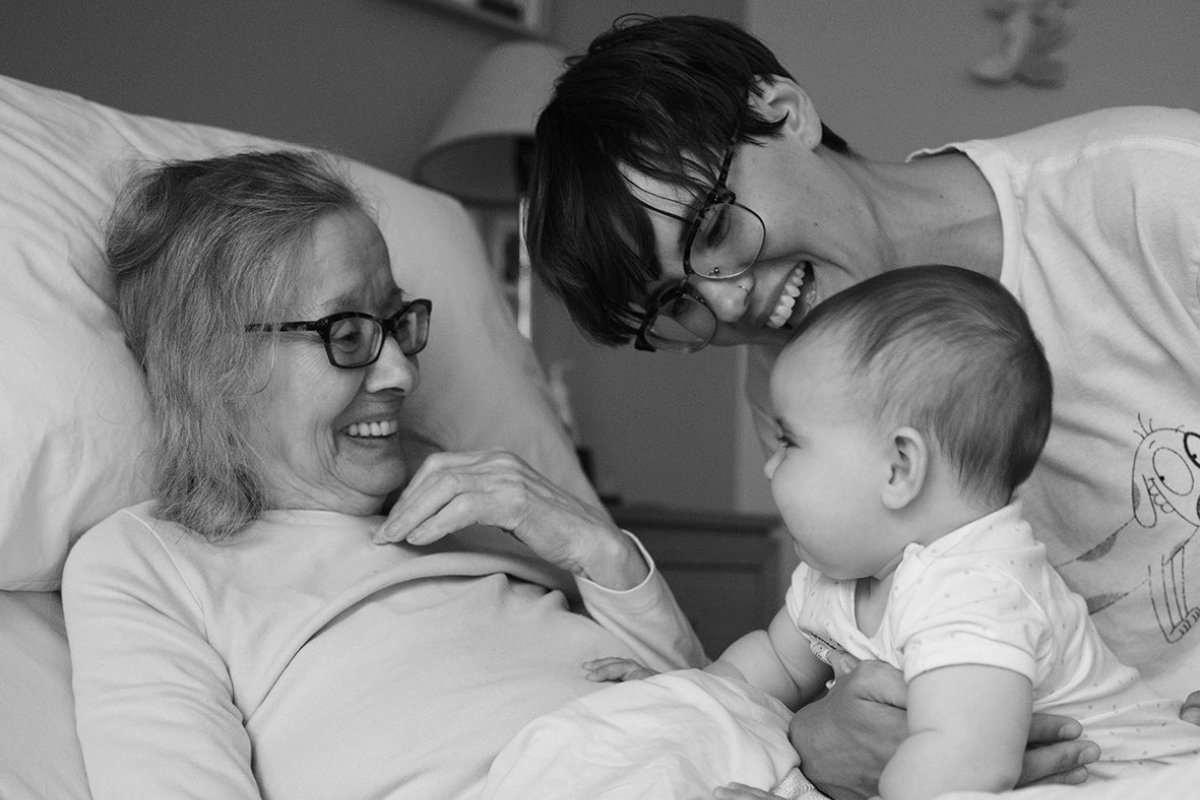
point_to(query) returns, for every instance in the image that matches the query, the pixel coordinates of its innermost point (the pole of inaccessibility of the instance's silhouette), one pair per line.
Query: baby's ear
(908, 468)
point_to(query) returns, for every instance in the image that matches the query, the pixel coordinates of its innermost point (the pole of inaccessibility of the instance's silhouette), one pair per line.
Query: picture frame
(520, 17)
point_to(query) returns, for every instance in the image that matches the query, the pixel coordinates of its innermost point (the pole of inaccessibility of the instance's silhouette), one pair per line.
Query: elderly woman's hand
(453, 490)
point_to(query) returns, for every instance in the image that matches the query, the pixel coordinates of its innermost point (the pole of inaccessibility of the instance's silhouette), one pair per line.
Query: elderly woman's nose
(392, 370)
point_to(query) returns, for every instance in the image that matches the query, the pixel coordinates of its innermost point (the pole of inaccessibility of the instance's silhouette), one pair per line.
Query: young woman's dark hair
(664, 97)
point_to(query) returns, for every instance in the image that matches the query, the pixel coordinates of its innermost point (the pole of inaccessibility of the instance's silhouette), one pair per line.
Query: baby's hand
(616, 669)
(1191, 709)
(740, 791)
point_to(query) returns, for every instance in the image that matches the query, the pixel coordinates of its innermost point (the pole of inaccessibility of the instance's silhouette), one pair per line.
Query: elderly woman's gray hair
(198, 250)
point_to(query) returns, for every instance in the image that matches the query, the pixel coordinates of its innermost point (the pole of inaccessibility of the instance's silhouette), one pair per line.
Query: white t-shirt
(1101, 232)
(984, 594)
(300, 660)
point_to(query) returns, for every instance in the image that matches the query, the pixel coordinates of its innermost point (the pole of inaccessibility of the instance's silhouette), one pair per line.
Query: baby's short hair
(950, 352)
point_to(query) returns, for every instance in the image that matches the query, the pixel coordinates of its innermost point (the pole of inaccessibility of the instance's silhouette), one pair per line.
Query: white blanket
(674, 736)
(677, 735)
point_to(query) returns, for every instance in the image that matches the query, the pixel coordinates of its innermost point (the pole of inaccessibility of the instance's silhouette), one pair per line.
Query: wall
(371, 77)
(366, 77)
(891, 77)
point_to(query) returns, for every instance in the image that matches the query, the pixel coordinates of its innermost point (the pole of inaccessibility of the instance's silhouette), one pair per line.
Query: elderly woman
(260, 630)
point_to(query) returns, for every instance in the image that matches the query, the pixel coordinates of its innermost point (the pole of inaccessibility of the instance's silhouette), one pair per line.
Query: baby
(910, 407)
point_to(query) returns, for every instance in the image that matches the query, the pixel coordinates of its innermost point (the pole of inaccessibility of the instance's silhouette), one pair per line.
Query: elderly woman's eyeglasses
(723, 241)
(354, 339)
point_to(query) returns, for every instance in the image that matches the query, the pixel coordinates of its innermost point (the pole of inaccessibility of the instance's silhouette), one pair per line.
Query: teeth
(787, 299)
(782, 311)
(373, 430)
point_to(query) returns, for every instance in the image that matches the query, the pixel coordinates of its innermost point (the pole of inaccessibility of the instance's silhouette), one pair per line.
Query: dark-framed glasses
(355, 339)
(723, 241)
(678, 319)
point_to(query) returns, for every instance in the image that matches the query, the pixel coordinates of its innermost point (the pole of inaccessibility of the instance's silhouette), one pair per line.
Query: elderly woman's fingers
(455, 515)
(442, 478)
(453, 490)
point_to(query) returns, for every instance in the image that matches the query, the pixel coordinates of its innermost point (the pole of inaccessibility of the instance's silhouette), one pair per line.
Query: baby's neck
(931, 518)
(870, 601)
(941, 510)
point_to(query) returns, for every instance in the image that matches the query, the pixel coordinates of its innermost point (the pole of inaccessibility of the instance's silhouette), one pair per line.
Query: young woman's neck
(934, 210)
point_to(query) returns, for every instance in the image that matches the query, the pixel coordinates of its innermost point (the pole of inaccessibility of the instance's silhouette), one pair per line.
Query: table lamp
(478, 153)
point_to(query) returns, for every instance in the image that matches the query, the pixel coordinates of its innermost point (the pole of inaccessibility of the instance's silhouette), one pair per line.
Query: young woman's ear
(909, 468)
(782, 98)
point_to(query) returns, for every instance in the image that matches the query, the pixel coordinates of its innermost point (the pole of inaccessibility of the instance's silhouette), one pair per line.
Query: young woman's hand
(1055, 753)
(845, 738)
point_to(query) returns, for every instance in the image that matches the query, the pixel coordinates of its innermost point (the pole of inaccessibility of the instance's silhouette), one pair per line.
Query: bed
(76, 429)
(75, 415)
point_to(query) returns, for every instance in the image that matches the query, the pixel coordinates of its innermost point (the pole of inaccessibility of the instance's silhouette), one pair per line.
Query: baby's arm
(967, 730)
(777, 661)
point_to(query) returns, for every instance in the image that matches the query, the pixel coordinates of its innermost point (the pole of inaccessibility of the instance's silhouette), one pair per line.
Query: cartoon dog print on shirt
(1166, 506)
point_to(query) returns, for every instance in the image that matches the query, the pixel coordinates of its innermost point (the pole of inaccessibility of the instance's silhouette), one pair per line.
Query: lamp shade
(474, 153)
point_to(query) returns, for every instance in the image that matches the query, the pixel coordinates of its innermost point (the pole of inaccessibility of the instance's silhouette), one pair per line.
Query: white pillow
(74, 443)
(39, 754)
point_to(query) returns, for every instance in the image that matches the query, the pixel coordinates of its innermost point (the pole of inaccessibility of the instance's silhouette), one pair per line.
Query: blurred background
(375, 80)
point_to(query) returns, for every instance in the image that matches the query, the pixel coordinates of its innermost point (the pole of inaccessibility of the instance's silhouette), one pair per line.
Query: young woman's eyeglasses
(723, 241)
(354, 339)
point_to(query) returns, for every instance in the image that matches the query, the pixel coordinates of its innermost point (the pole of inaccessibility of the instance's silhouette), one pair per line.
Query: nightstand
(729, 571)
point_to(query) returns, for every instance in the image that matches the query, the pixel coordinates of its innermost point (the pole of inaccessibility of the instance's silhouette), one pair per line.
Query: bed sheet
(673, 736)
(41, 758)
(39, 754)
(1179, 782)
(677, 735)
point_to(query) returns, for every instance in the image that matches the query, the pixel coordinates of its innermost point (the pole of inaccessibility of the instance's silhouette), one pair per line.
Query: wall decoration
(1033, 31)
(522, 17)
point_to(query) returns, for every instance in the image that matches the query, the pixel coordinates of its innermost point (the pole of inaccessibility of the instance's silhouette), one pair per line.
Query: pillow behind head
(76, 445)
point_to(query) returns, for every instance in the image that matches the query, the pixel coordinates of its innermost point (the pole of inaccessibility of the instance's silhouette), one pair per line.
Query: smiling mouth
(796, 298)
(377, 429)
